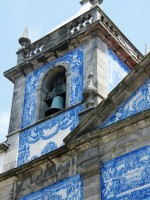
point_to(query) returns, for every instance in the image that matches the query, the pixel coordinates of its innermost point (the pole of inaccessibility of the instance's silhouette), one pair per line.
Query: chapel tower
(63, 91)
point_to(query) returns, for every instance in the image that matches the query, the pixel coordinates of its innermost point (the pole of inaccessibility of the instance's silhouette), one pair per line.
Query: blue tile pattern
(67, 189)
(117, 70)
(75, 61)
(46, 136)
(127, 177)
(137, 102)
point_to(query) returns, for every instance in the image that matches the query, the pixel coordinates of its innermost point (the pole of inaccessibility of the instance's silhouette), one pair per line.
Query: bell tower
(80, 117)
(61, 77)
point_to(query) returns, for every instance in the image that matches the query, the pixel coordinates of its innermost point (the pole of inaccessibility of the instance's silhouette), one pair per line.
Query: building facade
(79, 124)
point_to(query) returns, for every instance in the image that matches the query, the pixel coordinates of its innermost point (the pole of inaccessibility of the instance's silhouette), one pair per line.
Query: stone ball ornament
(93, 2)
(96, 1)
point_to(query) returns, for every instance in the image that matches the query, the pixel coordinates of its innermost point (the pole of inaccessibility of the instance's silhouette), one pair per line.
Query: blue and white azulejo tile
(46, 136)
(127, 177)
(117, 70)
(67, 189)
(75, 60)
(137, 102)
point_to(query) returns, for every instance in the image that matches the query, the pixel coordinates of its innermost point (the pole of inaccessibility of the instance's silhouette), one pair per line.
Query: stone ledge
(98, 133)
(3, 146)
(43, 120)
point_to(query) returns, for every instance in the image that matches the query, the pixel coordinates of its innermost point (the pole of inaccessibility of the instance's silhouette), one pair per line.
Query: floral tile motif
(117, 70)
(137, 102)
(46, 136)
(67, 189)
(127, 177)
(75, 61)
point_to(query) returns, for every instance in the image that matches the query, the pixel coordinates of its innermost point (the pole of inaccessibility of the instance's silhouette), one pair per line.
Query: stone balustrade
(120, 37)
(82, 23)
(71, 29)
(57, 36)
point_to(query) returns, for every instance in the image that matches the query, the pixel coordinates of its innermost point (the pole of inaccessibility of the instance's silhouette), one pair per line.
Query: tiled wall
(137, 102)
(67, 189)
(117, 70)
(75, 61)
(48, 136)
(127, 177)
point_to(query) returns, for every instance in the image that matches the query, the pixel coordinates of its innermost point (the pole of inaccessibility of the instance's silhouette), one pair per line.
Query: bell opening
(56, 91)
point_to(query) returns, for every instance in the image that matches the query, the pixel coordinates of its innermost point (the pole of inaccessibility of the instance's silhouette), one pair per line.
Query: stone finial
(93, 2)
(90, 77)
(89, 92)
(24, 40)
(91, 88)
(147, 50)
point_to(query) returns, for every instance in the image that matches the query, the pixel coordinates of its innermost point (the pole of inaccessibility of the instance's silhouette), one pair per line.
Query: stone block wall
(11, 154)
(85, 157)
(96, 61)
(2, 155)
(17, 105)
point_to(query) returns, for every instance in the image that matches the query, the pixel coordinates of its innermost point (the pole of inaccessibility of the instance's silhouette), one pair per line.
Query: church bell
(57, 105)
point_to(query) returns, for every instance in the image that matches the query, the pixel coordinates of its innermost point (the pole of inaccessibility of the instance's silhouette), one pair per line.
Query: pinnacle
(25, 33)
(24, 40)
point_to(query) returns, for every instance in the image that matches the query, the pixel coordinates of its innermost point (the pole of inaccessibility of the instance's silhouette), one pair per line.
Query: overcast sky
(131, 16)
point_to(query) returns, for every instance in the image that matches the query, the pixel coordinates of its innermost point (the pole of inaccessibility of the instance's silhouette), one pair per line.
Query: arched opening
(55, 86)
(53, 90)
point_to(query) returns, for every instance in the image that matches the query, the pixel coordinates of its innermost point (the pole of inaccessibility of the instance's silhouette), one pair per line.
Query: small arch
(60, 72)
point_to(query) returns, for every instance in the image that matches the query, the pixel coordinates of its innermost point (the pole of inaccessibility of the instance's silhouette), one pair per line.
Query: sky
(131, 17)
